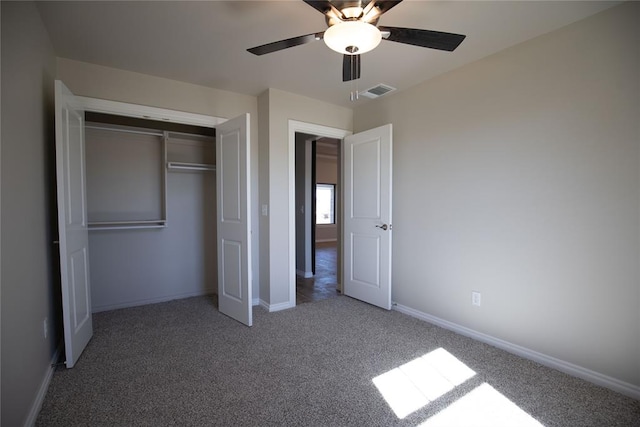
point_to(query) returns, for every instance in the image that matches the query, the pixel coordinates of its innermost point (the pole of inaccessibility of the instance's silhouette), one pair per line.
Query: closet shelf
(191, 166)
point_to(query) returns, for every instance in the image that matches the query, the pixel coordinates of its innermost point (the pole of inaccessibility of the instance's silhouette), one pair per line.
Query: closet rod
(139, 132)
(191, 166)
(190, 135)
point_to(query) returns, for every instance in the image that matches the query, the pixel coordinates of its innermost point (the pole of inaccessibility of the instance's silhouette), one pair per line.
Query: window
(325, 203)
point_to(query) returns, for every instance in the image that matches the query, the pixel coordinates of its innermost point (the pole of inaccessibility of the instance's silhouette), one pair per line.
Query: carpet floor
(337, 362)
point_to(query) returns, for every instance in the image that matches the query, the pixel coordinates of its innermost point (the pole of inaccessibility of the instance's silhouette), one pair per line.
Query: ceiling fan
(353, 30)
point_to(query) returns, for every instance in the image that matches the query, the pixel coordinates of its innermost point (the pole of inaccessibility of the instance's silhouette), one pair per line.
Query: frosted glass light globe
(352, 37)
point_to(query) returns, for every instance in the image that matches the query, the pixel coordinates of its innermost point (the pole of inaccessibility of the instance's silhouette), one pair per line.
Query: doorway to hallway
(317, 194)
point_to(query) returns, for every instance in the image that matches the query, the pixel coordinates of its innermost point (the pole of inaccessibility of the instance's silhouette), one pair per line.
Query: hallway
(323, 284)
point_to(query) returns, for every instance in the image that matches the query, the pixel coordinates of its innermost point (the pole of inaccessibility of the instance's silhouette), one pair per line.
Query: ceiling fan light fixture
(352, 37)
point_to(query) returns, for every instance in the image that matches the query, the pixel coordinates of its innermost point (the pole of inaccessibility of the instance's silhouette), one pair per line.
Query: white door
(72, 224)
(367, 216)
(234, 234)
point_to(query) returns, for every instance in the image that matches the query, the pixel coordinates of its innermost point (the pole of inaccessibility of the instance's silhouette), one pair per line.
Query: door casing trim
(312, 129)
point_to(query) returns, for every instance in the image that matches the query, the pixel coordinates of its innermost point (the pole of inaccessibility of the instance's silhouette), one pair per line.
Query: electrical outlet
(45, 325)
(475, 298)
(265, 210)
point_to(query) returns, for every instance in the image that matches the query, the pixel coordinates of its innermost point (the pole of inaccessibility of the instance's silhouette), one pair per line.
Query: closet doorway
(151, 207)
(140, 203)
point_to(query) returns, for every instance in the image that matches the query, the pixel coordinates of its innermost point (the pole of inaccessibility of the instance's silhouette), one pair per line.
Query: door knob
(383, 226)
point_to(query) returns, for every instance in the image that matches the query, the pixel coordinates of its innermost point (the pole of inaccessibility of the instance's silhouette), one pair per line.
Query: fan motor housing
(351, 10)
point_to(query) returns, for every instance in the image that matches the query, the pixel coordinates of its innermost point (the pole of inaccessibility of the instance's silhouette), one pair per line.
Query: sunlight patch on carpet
(420, 381)
(483, 406)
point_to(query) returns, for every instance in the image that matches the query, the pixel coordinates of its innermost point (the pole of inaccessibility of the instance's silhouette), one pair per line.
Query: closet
(151, 209)
(157, 213)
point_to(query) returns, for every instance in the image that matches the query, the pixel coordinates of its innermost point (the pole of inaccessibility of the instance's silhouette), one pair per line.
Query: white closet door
(72, 224)
(234, 234)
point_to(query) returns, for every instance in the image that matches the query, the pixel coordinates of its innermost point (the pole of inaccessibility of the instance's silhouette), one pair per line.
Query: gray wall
(276, 109)
(517, 176)
(135, 267)
(29, 294)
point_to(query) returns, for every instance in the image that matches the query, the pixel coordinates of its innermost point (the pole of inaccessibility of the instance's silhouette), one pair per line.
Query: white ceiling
(205, 42)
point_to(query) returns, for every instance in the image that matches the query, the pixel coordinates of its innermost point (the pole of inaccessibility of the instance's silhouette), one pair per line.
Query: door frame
(306, 221)
(320, 131)
(98, 105)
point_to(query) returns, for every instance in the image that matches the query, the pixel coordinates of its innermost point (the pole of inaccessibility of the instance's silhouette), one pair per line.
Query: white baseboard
(146, 301)
(275, 307)
(549, 361)
(305, 274)
(255, 301)
(44, 386)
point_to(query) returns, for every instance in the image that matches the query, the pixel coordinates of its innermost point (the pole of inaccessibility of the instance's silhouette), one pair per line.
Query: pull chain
(354, 95)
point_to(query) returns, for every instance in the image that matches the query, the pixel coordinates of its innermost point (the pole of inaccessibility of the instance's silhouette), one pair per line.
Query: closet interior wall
(151, 199)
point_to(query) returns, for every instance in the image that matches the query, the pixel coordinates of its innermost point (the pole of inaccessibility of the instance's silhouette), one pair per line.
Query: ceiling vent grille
(377, 91)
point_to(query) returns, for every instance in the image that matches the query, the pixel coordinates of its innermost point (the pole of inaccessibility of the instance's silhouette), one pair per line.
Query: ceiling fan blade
(284, 44)
(350, 67)
(374, 9)
(424, 38)
(326, 8)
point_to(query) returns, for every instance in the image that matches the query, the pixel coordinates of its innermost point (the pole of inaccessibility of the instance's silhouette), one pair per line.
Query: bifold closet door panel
(135, 267)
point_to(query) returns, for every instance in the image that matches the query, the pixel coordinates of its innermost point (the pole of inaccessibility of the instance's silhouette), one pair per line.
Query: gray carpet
(183, 363)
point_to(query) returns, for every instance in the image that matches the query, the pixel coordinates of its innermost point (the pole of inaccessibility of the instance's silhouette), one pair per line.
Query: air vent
(377, 91)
